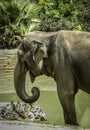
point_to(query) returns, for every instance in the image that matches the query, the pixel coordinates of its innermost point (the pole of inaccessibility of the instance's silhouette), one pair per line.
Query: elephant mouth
(33, 74)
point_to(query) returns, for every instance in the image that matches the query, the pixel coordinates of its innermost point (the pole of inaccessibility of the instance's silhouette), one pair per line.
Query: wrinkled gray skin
(63, 55)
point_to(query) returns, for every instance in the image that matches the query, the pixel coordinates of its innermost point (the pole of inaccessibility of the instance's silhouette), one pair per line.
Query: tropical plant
(83, 7)
(56, 15)
(19, 17)
(15, 19)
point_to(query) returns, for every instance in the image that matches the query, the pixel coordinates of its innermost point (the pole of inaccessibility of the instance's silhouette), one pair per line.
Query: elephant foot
(72, 122)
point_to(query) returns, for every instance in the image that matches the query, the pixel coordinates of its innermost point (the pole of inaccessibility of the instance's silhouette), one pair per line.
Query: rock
(37, 113)
(20, 111)
(8, 113)
(8, 59)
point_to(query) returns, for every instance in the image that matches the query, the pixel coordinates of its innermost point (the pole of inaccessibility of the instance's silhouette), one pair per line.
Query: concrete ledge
(20, 125)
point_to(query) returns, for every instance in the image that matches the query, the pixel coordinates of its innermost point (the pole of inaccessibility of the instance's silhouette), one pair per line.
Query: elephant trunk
(19, 83)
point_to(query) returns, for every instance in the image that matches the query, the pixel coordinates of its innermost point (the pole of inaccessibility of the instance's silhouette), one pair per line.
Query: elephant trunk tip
(31, 99)
(36, 93)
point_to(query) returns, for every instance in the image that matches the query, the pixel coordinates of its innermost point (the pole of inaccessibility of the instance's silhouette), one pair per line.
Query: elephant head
(30, 58)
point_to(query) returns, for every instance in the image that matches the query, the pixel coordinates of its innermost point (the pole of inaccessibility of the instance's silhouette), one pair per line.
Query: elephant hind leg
(67, 102)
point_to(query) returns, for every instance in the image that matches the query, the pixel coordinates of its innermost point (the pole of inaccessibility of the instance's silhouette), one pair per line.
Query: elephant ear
(40, 52)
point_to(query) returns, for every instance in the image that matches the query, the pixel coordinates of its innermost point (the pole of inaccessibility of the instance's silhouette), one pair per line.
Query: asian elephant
(63, 55)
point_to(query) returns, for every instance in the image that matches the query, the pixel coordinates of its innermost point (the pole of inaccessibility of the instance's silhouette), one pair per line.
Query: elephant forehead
(29, 38)
(35, 34)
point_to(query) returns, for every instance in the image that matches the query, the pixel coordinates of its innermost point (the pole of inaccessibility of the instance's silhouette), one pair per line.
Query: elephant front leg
(65, 79)
(67, 102)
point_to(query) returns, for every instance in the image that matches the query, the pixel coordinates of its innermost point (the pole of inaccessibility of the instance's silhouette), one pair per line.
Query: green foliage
(15, 20)
(83, 7)
(19, 17)
(56, 15)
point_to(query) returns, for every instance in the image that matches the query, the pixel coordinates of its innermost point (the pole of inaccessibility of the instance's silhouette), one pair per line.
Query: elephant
(65, 56)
